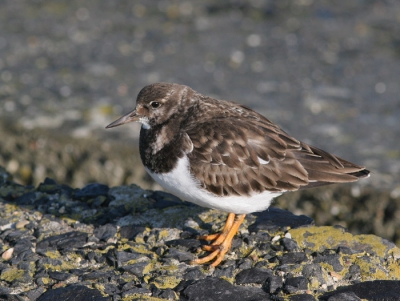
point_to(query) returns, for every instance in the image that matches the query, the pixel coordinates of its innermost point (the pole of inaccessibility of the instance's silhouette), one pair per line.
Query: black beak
(130, 117)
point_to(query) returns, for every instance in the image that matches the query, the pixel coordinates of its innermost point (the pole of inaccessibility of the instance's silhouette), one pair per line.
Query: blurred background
(327, 72)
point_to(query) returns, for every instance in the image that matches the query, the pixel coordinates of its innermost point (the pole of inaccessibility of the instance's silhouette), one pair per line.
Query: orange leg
(222, 241)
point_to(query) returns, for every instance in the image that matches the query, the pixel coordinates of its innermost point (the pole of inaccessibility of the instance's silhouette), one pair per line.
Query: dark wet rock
(224, 272)
(292, 258)
(275, 218)
(35, 293)
(369, 290)
(135, 269)
(4, 290)
(107, 216)
(273, 284)
(73, 293)
(167, 294)
(130, 232)
(179, 255)
(350, 296)
(22, 245)
(98, 275)
(194, 274)
(26, 199)
(313, 270)
(252, 275)
(46, 261)
(218, 289)
(105, 232)
(295, 284)
(64, 241)
(289, 244)
(245, 263)
(183, 285)
(15, 236)
(346, 250)
(302, 297)
(59, 276)
(123, 257)
(111, 289)
(91, 191)
(129, 285)
(190, 244)
(164, 199)
(332, 259)
(136, 291)
(354, 270)
(9, 297)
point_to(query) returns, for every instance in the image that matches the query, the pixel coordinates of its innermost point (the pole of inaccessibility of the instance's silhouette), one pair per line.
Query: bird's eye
(155, 104)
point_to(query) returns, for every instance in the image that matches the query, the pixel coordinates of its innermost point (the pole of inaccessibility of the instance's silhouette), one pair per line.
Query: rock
(136, 291)
(130, 232)
(98, 275)
(344, 297)
(123, 257)
(91, 191)
(291, 258)
(223, 271)
(168, 294)
(220, 290)
(179, 255)
(302, 297)
(64, 241)
(111, 289)
(136, 269)
(289, 244)
(332, 259)
(105, 232)
(274, 218)
(163, 200)
(252, 275)
(7, 254)
(295, 284)
(188, 243)
(59, 276)
(73, 293)
(194, 274)
(369, 290)
(26, 199)
(273, 284)
(34, 294)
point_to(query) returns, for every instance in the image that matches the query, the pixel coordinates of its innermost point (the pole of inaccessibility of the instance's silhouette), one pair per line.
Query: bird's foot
(222, 241)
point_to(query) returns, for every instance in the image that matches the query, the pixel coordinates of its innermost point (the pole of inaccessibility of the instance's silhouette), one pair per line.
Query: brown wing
(228, 156)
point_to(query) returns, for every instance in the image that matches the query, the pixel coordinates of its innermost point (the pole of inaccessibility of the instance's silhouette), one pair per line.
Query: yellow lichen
(321, 238)
(164, 282)
(53, 254)
(11, 274)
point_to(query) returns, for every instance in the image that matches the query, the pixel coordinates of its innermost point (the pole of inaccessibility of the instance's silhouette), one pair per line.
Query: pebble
(21, 224)
(7, 255)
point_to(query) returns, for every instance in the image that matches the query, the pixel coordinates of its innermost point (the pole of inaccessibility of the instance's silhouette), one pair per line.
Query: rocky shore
(127, 243)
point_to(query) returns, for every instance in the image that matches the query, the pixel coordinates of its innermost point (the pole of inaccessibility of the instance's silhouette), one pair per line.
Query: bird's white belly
(182, 184)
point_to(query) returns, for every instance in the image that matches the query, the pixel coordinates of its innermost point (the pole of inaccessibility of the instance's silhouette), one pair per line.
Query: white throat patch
(145, 123)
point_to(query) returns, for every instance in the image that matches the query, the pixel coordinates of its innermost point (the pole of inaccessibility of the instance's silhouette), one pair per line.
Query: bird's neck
(160, 146)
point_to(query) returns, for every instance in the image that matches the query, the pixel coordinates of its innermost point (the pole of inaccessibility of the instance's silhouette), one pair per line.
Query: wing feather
(225, 158)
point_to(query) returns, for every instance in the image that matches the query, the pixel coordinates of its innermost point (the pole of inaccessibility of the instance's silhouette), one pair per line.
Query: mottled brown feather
(227, 163)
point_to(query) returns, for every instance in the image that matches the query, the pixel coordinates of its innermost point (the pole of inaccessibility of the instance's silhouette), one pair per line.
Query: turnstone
(223, 155)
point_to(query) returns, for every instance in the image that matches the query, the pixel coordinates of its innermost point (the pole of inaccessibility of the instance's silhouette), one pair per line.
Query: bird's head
(155, 104)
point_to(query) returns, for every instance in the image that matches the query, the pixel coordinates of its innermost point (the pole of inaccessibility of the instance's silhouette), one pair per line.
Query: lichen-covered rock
(127, 243)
